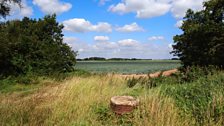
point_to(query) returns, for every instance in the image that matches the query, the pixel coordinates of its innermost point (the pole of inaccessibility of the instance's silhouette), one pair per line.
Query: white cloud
(24, 11)
(52, 6)
(128, 43)
(119, 8)
(80, 25)
(77, 25)
(105, 46)
(70, 40)
(155, 38)
(153, 8)
(170, 46)
(101, 27)
(179, 7)
(179, 23)
(134, 27)
(101, 38)
(80, 50)
(127, 48)
(143, 9)
(76, 44)
(102, 2)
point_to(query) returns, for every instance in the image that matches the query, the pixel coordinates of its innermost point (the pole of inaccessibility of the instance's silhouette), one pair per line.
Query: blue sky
(114, 28)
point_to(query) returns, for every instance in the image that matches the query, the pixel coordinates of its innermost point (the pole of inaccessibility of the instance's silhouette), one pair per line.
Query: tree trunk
(123, 104)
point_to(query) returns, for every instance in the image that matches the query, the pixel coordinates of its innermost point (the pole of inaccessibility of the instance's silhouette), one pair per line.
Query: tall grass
(202, 99)
(85, 101)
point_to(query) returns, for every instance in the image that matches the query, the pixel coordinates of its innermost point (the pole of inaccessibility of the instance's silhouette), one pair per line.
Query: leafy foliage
(34, 46)
(202, 41)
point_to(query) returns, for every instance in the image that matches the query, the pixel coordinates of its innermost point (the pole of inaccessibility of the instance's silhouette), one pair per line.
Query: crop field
(127, 67)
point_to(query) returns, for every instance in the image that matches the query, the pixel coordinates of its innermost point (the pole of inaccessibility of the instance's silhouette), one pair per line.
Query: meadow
(84, 100)
(127, 67)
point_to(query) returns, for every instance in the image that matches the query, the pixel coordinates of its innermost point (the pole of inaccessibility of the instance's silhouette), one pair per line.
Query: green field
(127, 67)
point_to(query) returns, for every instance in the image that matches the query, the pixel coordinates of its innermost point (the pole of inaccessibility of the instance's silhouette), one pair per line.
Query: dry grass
(85, 101)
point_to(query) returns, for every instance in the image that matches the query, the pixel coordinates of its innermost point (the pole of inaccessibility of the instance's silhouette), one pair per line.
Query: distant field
(127, 67)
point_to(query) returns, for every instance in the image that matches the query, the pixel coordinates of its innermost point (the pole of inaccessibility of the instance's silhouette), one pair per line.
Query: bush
(31, 46)
(190, 74)
(20, 83)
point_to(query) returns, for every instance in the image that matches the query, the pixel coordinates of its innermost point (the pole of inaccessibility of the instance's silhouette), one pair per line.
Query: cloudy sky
(114, 28)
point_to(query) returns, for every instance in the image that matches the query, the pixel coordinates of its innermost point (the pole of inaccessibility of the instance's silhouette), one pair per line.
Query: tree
(202, 41)
(5, 6)
(34, 46)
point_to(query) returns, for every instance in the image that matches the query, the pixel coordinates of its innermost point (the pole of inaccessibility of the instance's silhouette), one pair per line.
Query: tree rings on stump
(123, 104)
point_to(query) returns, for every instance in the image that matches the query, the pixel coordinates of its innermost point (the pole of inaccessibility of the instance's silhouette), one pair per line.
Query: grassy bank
(85, 101)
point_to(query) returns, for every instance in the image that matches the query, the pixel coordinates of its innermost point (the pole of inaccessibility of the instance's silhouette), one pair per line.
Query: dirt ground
(152, 75)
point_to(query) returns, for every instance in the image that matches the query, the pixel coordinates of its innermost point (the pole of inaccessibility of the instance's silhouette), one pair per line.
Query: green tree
(34, 46)
(202, 41)
(5, 6)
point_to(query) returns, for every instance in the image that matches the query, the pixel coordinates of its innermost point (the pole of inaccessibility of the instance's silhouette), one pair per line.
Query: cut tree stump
(123, 104)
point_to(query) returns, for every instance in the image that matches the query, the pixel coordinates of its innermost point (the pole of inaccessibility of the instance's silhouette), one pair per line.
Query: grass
(84, 101)
(202, 99)
(127, 67)
(31, 82)
(12, 84)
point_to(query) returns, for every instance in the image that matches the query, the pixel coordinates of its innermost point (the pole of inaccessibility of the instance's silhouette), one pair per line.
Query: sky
(114, 28)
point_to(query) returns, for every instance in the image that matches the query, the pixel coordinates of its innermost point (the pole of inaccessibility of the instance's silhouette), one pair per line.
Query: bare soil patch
(152, 75)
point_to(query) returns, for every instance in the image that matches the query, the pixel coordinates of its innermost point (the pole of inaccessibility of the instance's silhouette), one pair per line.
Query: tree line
(108, 59)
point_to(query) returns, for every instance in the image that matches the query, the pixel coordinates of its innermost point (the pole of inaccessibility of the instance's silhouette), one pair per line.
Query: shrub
(190, 74)
(34, 46)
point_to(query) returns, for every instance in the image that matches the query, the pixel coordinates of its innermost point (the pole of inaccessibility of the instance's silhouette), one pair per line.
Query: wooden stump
(123, 104)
